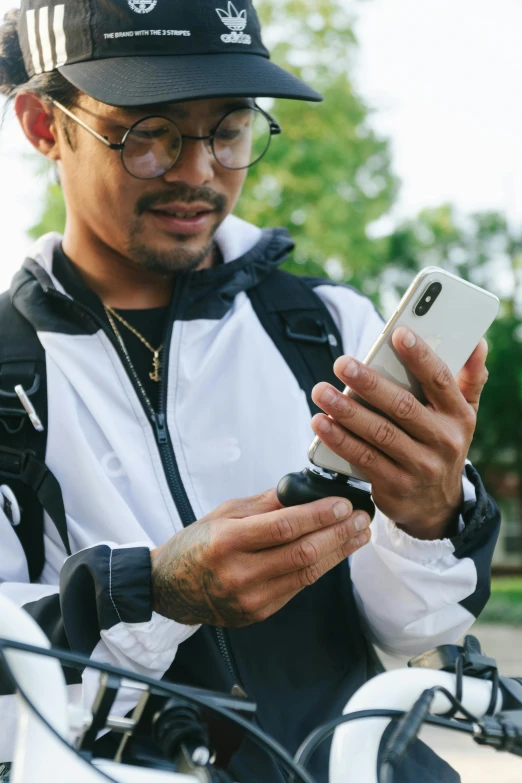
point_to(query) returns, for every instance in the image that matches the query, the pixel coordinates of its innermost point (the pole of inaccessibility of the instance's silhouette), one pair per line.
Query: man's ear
(38, 123)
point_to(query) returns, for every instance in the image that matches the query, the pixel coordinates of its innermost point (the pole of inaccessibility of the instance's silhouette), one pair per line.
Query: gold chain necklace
(111, 315)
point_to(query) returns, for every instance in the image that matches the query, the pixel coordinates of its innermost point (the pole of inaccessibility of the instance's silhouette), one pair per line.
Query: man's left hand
(414, 455)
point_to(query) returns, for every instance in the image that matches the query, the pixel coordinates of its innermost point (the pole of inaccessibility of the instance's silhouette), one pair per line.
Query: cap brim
(139, 81)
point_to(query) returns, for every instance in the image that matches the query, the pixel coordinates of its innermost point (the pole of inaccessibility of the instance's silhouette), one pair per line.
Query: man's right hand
(245, 561)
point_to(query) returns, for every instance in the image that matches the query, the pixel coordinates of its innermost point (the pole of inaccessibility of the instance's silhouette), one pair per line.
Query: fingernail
(324, 426)
(409, 340)
(342, 510)
(361, 523)
(328, 397)
(362, 539)
(351, 370)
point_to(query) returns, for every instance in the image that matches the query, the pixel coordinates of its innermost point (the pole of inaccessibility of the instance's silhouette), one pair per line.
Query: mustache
(183, 193)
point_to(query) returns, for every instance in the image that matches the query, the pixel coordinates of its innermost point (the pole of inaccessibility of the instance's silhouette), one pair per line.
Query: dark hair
(14, 77)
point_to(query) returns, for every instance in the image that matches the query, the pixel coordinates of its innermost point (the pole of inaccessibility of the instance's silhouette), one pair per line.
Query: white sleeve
(409, 591)
(104, 611)
(107, 606)
(416, 595)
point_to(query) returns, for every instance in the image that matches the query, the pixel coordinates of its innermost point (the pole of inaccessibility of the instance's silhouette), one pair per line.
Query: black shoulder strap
(306, 335)
(22, 447)
(301, 327)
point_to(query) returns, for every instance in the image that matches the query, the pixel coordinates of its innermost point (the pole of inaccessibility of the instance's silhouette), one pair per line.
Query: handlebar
(45, 752)
(355, 747)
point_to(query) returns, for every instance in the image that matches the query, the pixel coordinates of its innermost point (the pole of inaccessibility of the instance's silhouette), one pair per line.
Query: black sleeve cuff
(481, 519)
(101, 587)
(477, 541)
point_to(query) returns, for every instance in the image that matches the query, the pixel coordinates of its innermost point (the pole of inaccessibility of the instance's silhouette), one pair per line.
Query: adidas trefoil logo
(143, 6)
(236, 21)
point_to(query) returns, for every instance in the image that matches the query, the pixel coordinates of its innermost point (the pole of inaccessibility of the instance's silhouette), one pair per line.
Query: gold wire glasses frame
(150, 148)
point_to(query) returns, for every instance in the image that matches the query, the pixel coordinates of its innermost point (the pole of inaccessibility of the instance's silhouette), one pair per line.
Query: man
(167, 399)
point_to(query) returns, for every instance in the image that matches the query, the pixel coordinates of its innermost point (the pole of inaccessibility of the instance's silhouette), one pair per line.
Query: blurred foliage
(53, 213)
(485, 250)
(328, 176)
(505, 604)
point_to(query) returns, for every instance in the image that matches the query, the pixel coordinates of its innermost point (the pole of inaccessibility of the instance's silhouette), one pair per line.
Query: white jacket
(238, 422)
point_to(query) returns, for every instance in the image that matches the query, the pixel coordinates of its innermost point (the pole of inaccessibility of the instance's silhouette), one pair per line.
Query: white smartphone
(449, 314)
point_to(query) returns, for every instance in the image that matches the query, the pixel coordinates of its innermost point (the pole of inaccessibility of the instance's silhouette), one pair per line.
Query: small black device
(296, 489)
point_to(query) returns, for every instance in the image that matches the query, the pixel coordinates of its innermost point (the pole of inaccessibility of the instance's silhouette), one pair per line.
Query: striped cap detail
(46, 38)
(131, 52)
(59, 35)
(33, 41)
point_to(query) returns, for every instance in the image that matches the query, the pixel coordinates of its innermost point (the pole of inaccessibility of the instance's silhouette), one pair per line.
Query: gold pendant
(155, 376)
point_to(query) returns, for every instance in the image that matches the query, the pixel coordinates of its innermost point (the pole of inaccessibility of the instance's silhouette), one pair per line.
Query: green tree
(53, 213)
(328, 176)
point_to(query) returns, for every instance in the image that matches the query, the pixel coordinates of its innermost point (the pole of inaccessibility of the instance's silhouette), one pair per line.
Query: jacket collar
(250, 255)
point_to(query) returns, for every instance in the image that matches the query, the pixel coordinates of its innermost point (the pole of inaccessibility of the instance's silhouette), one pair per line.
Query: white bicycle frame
(42, 754)
(45, 754)
(356, 745)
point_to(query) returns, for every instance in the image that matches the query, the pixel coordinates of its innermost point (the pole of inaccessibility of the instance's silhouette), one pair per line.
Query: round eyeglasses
(153, 145)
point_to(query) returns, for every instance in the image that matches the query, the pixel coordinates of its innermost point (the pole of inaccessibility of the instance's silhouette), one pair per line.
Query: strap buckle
(12, 463)
(17, 414)
(34, 388)
(300, 337)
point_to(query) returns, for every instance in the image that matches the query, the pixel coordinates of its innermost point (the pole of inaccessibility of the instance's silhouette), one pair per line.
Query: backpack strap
(22, 447)
(301, 327)
(303, 330)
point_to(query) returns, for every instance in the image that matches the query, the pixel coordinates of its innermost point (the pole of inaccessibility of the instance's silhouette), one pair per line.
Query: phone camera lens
(429, 298)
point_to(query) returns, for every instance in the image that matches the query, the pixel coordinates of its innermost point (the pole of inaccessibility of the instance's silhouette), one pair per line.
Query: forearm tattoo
(185, 589)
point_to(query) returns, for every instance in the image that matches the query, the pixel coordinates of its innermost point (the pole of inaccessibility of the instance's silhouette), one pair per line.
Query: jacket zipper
(225, 654)
(159, 422)
(168, 458)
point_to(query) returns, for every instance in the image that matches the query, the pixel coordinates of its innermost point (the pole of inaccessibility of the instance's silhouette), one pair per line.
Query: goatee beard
(167, 263)
(180, 258)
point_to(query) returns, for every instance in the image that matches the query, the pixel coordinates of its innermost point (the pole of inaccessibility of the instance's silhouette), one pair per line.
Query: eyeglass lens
(153, 145)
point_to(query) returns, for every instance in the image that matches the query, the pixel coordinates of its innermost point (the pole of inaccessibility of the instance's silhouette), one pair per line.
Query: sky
(446, 79)
(443, 78)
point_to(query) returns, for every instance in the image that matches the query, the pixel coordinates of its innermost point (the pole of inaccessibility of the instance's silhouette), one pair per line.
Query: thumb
(247, 507)
(474, 375)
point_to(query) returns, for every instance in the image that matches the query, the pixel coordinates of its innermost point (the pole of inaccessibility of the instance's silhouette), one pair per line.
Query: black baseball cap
(136, 52)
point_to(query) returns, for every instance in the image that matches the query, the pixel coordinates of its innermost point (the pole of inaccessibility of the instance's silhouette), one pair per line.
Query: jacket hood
(250, 255)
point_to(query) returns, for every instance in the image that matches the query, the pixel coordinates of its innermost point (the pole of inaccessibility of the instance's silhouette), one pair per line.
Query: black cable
(446, 721)
(409, 727)
(459, 685)
(319, 735)
(460, 707)
(404, 733)
(307, 748)
(494, 693)
(75, 660)
(43, 720)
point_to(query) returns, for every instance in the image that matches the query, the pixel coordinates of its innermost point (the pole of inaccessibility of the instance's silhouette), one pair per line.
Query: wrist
(155, 593)
(447, 528)
(434, 528)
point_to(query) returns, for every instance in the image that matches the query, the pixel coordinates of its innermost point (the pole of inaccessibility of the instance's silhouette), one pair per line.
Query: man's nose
(196, 164)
